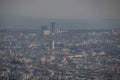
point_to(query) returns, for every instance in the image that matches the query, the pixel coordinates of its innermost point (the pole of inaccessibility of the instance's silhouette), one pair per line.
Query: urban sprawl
(53, 54)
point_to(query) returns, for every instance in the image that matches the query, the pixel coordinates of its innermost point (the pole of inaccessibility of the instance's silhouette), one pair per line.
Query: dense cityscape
(53, 54)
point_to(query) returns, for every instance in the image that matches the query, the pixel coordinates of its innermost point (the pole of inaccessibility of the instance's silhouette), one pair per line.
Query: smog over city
(59, 39)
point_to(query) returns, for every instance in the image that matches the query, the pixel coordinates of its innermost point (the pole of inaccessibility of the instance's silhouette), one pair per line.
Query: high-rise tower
(53, 28)
(52, 31)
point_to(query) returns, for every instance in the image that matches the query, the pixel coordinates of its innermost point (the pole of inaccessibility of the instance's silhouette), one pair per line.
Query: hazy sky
(75, 9)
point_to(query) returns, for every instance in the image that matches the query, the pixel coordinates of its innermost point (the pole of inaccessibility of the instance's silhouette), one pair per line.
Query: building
(52, 40)
(53, 28)
(44, 30)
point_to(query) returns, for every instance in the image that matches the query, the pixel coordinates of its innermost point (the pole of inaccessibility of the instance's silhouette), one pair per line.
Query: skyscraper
(53, 28)
(52, 31)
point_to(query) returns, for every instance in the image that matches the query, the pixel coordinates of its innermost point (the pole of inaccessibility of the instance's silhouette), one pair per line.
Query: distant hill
(35, 23)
